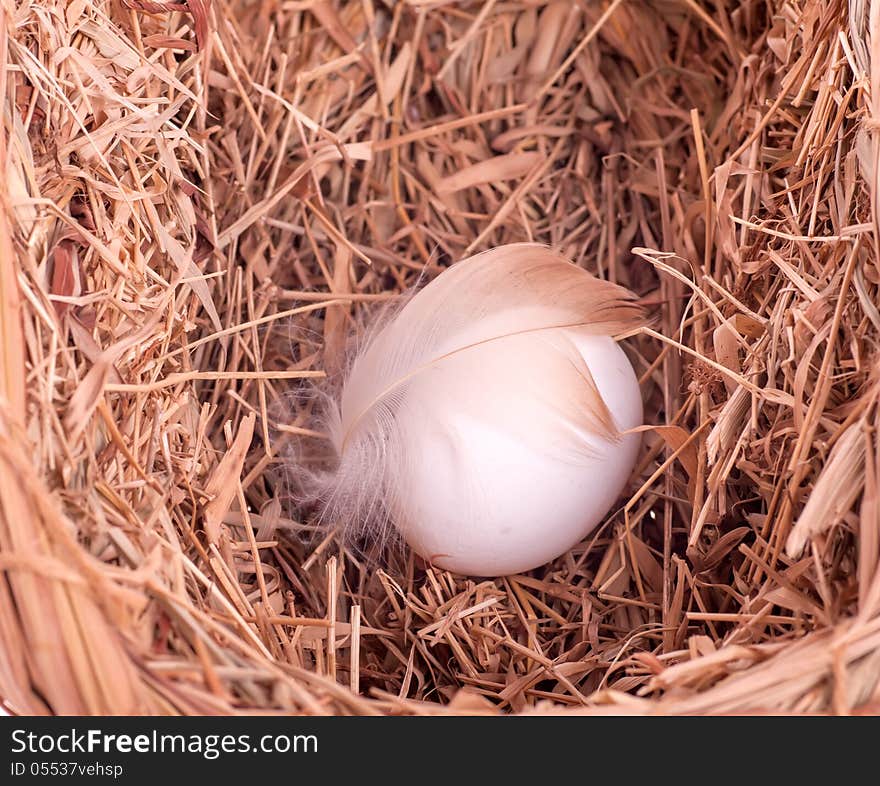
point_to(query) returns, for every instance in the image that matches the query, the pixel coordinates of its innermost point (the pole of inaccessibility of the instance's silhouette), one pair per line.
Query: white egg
(490, 489)
(484, 419)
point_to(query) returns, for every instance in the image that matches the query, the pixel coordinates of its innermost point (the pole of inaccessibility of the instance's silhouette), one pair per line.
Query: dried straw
(201, 199)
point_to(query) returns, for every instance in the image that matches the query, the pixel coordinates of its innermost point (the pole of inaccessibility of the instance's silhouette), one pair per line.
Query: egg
(490, 419)
(485, 496)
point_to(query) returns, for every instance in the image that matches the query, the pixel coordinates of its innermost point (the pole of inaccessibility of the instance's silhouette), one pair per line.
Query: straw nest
(202, 198)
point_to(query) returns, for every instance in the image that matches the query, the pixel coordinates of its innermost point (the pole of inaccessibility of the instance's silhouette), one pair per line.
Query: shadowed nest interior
(202, 199)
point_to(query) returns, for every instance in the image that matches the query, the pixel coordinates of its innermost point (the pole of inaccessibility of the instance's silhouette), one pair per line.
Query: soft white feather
(493, 359)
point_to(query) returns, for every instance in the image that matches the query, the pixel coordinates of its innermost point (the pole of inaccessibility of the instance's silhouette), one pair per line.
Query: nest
(202, 198)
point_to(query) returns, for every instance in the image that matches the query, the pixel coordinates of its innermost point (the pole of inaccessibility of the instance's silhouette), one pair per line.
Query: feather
(493, 343)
